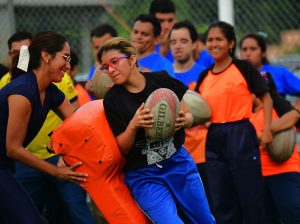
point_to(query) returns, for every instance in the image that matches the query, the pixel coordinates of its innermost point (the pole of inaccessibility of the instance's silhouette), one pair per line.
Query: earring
(131, 66)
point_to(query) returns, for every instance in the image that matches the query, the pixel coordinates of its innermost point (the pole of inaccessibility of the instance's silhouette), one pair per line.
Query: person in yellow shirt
(41, 186)
(5, 80)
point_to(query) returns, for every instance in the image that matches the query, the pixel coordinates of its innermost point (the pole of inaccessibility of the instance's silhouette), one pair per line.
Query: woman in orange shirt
(232, 154)
(281, 180)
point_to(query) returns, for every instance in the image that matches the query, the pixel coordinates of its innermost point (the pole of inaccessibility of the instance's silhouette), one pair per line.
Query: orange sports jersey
(83, 96)
(270, 167)
(195, 139)
(228, 95)
(86, 136)
(192, 85)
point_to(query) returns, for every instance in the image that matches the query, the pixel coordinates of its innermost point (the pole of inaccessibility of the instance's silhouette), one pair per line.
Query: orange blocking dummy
(86, 136)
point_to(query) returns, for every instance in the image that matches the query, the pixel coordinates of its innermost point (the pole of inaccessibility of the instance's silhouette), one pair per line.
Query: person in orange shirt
(232, 151)
(282, 180)
(82, 94)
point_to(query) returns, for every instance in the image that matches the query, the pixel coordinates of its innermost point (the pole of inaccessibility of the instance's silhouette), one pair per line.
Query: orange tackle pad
(86, 136)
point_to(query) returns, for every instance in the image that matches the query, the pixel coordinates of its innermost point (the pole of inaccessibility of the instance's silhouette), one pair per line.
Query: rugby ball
(283, 145)
(101, 84)
(164, 105)
(198, 107)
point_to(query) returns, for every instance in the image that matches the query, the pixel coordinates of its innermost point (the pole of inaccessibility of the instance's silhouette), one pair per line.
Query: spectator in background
(144, 36)
(3, 70)
(254, 49)
(25, 103)
(14, 44)
(99, 35)
(183, 41)
(281, 179)
(201, 55)
(183, 38)
(165, 12)
(82, 94)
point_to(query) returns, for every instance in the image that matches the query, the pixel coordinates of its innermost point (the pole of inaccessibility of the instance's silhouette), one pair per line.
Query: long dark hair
(48, 41)
(228, 31)
(261, 42)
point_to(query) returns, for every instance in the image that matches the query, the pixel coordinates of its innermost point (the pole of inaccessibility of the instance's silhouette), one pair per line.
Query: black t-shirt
(120, 106)
(280, 104)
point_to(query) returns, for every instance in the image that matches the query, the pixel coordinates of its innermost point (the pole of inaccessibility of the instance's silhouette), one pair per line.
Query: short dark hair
(74, 59)
(103, 29)
(19, 36)
(162, 6)
(202, 37)
(147, 18)
(189, 26)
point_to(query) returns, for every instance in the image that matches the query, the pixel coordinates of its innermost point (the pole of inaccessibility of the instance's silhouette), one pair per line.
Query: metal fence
(279, 19)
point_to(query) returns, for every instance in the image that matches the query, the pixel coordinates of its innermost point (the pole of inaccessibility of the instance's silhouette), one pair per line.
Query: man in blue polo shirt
(144, 36)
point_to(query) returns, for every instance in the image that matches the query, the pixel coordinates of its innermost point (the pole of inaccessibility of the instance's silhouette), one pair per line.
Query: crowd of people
(217, 172)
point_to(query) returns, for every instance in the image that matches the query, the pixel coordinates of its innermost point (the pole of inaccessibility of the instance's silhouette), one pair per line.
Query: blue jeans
(37, 185)
(172, 185)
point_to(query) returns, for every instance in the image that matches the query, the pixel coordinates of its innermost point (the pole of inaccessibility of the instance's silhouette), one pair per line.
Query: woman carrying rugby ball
(161, 175)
